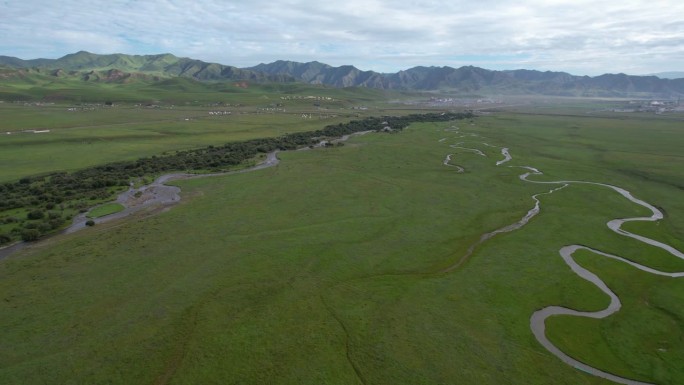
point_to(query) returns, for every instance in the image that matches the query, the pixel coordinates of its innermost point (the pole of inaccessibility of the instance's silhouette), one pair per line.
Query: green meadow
(105, 209)
(145, 133)
(71, 133)
(329, 267)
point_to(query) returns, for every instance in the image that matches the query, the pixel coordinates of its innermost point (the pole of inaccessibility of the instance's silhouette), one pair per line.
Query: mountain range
(468, 79)
(669, 75)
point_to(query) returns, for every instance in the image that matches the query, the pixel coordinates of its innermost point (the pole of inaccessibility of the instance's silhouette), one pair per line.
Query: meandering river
(538, 318)
(157, 194)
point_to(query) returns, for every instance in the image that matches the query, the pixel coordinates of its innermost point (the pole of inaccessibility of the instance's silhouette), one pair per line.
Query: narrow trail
(538, 318)
(347, 340)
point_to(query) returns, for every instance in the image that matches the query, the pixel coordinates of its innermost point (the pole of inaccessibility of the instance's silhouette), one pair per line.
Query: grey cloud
(586, 36)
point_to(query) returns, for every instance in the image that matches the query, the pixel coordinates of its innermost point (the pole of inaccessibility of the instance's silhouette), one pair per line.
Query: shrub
(55, 223)
(29, 235)
(90, 222)
(35, 214)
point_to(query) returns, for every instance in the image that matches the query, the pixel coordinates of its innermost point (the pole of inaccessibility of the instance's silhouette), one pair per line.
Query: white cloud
(582, 37)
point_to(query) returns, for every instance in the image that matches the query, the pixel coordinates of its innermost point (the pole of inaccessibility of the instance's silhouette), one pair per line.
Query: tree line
(41, 204)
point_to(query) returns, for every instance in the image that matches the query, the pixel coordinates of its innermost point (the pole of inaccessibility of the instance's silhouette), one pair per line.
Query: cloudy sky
(579, 36)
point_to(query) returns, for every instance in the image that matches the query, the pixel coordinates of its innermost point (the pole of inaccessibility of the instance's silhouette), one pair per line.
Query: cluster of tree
(43, 199)
(35, 223)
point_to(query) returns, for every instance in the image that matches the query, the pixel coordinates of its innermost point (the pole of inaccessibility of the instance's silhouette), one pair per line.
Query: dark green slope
(163, 65)
(466, 79)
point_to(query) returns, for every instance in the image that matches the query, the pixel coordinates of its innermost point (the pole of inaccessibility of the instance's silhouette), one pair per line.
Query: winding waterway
(538, 318)
(158, 194)
(155, 194)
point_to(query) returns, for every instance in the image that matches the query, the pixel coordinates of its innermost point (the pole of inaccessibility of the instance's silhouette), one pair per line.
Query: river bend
(538, 318)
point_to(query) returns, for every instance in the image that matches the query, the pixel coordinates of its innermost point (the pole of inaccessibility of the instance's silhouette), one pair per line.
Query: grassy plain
(327, 268)
(150, 118)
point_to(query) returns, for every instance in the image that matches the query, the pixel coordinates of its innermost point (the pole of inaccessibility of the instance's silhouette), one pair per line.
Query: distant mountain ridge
(478, 80)
(669, 75)
(467, 79)
(163, 65)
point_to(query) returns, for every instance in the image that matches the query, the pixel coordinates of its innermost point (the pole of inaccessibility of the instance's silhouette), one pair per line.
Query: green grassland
(76, 147)
(328, 267)
(80, 190)
(37, 86)
(150, 118)
(106, 209)
(56, 124)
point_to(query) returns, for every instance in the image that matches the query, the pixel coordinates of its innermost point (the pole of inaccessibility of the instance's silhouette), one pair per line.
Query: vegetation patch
(77, 191)
(329, 268)
(106, 209)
